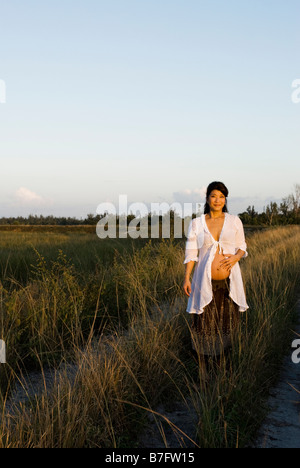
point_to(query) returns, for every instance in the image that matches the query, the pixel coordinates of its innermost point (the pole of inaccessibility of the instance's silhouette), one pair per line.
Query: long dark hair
(216, 186)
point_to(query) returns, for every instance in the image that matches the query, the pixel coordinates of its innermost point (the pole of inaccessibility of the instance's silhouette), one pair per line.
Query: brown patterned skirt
(212, 331)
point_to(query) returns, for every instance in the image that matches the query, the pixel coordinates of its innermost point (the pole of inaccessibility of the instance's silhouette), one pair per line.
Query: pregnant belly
(217, 272)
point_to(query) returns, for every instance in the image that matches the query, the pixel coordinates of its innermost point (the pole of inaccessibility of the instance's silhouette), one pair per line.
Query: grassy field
(116, 311)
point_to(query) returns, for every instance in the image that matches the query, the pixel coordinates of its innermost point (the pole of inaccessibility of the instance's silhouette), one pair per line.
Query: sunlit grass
(126, 333)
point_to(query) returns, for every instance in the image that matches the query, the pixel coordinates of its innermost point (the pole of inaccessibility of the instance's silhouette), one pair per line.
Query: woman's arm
(230, 260)
(240, 244)
(191, 256)
(240, 254)
(187, 287)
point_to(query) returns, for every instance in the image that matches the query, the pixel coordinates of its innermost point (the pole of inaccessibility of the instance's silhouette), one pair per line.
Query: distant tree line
(34, 220)
(287, 212)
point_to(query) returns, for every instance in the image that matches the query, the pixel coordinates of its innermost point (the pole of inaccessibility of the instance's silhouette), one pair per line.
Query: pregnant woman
(216, 243)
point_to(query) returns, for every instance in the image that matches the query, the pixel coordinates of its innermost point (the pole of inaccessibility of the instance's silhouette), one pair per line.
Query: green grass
(87, 251)
(122, 321)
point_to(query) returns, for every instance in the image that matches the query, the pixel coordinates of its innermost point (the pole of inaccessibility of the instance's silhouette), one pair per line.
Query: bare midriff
(217, 272)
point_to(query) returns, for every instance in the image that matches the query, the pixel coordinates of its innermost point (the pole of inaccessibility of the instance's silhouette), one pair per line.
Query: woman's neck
(216, 214)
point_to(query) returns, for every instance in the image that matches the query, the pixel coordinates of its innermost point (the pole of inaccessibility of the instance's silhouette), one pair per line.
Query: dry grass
(141, 358)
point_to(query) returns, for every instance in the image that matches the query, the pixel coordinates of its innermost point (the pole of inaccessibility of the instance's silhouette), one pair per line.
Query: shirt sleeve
(191, 247)
(240, 241)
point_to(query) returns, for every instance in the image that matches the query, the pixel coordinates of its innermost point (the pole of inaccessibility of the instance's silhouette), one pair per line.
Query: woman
(216, 294)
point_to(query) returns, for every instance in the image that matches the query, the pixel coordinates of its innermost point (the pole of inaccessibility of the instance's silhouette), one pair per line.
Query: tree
(296, 200)
(284, 207)
(251, 212)
(271, 212)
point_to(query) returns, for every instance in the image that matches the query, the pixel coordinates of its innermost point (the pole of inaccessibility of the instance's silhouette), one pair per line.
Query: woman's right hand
(187, 287)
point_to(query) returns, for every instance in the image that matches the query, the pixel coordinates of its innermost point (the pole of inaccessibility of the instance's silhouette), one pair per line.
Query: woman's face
(216, 200)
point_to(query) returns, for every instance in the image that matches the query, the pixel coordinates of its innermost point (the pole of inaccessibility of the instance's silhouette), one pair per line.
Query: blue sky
(152, 99)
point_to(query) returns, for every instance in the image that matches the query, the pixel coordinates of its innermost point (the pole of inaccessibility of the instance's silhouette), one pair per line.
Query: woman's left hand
(229, 261)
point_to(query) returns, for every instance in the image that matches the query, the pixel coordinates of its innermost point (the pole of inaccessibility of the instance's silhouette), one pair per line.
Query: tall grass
(125, 335)
(87, 251)
(236, 403)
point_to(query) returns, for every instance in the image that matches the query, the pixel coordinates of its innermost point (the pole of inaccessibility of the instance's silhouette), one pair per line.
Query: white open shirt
(199, 238)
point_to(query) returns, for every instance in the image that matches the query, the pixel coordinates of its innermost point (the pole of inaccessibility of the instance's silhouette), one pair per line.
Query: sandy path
(181, 433)
(282, 426)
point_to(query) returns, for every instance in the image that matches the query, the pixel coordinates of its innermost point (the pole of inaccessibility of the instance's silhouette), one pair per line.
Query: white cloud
(190, 195)
(25, 197)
